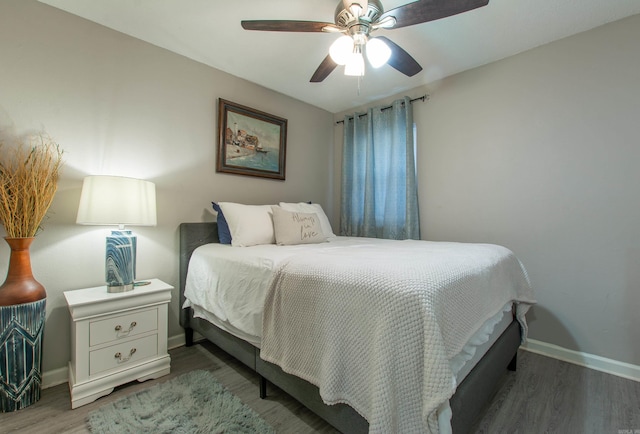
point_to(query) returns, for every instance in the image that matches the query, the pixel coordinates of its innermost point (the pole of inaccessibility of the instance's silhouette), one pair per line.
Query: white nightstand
(116, 338)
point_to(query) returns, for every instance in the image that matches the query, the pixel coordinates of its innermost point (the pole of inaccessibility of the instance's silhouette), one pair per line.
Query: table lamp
(116, 200)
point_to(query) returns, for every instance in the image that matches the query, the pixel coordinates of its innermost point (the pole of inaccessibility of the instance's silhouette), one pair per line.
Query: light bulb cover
(355, 65)
(378, 52)
(341, 49)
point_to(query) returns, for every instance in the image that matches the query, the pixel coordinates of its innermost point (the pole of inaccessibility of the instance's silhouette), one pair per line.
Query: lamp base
(119, 288)
(120, 261)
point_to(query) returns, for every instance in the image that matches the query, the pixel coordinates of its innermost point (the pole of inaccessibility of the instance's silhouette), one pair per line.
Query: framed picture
(250, 142)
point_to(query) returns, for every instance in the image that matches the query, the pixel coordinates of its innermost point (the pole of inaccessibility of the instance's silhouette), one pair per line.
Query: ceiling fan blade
(400, 59)
(326, 67)
(429, 10)
(289, 26)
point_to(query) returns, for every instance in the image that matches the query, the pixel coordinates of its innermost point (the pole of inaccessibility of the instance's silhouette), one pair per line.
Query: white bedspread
(374, 324)
(231, 282)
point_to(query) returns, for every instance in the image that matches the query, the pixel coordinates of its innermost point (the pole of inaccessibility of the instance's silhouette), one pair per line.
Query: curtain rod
(422, 98)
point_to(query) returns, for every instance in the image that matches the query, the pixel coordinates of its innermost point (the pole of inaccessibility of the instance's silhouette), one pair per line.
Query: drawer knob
(121, 359)
(126, 332)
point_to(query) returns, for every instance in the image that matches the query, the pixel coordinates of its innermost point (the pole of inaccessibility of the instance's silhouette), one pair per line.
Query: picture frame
(250, 142)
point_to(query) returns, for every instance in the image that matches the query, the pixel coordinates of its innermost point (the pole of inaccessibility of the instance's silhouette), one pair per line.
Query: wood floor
(543, 396)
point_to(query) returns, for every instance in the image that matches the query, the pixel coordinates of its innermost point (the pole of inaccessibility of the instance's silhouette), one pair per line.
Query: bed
(489, 364)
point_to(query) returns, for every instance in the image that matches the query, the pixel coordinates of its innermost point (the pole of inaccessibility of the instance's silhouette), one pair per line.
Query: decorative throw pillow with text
(292, 227)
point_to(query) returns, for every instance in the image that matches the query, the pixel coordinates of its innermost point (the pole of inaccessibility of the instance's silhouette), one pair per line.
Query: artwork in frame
(250, 142)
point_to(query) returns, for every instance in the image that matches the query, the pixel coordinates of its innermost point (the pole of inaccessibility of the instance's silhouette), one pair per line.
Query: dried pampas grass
(29, 175)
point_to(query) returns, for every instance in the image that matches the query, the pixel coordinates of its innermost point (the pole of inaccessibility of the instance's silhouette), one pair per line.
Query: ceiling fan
(356, 20)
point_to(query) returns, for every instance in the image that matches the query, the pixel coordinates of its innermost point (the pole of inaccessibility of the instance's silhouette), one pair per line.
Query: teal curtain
(379, 194)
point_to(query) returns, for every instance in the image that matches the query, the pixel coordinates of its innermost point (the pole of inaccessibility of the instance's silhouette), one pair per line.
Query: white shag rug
(192, 403)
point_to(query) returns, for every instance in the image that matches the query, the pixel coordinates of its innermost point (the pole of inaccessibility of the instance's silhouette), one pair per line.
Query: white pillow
(293, 227)
(309, 208)
(249, 225)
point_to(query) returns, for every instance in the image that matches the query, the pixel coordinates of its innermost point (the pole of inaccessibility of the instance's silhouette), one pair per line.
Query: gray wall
(540, 152)
(123, 107)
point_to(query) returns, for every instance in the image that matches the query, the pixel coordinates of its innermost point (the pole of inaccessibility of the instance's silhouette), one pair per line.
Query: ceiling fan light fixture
(355, 65)
(378, 52)
(358, 19)
(341, 50)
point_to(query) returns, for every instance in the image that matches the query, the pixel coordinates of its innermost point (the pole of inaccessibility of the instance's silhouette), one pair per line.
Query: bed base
(467, 404)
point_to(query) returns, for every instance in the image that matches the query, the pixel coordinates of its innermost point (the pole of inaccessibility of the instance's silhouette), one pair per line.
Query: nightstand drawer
(122, 355)
(119, 327)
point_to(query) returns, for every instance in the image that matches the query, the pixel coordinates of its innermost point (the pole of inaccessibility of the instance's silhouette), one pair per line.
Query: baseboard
(61, 375)
(591, 361)
(178, 341)
(55, 377)
(175, 341)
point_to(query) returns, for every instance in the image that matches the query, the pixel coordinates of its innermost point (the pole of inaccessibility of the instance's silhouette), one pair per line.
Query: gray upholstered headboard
(192, 235)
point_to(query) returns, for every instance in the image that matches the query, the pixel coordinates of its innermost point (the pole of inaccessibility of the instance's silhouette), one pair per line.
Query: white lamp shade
(341, 49)
(115, 200)
(377, 52)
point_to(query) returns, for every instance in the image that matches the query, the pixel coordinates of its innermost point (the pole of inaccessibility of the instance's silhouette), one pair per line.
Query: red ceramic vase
(20, 286)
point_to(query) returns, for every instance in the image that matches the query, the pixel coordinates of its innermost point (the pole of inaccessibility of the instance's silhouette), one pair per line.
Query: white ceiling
(209, 31)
